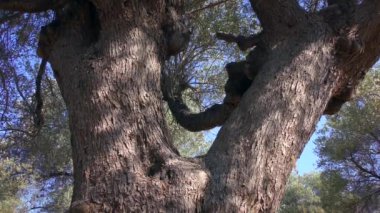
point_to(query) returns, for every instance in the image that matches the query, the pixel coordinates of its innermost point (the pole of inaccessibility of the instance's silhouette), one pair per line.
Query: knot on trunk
(176, 31)
(78, 17)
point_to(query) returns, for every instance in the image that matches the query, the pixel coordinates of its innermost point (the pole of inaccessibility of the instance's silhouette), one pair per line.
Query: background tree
(349, 149)
(302, 194)
(342, 185)
(12, 182)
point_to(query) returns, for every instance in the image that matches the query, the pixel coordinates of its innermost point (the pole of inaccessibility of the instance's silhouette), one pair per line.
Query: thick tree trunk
(272, 123)
(108, 70)
(123, 157)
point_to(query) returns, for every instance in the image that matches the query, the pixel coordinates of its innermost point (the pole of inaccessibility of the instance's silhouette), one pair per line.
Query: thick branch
(210, 118)
(31, 6)
(362, 43)
(274, 13)
(243, 42)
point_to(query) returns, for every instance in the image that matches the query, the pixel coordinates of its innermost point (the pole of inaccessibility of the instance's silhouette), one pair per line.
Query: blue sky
(308, 160)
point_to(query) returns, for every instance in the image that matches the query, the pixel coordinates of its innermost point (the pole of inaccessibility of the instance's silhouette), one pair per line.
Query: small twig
(207, 7)
(6, 98)
(18, 88)
(17, 130)
(41, 207)
(9, 17)
(58, 174)
(39, 119)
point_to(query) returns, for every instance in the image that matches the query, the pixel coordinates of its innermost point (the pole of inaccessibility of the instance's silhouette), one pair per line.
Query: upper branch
(243, 42)
(274, 13)
(31, 6)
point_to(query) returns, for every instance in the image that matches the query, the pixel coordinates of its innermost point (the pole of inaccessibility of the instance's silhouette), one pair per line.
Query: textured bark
(260, 143)
(210, 118)
(107, 57)
(123, 158)
(272, 123)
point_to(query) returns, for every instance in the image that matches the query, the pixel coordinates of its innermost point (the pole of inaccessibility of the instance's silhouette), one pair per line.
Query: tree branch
(361, 168)
(31, 6)
(18, 88)
(173, 85)
(18, 130)
(208, 6)
(38, 117)
(6, 96)
(210, 118)
(243, 42)
(57, 174)
(274, 13)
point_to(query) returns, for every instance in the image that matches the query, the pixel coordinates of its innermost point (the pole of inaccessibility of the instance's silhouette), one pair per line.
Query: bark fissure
(108, 57)
(122, 152)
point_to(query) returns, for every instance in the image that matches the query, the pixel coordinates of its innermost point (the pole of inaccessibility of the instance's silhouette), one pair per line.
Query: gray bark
(107, 59)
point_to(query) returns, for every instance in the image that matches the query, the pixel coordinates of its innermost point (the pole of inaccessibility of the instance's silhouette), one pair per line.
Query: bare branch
(243, 42)
(57, 174)
(18, 88)
(172, 89)
(208, 6)
(364, 170)
(38, 117)
(274, 13)
(31, 6)
(17, 130)
(210, 118)
(6, 96)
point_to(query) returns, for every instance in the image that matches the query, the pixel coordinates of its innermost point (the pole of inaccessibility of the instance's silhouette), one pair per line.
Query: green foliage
(334, 194)
(201, 66)
(318, 193)
(61, 199)
(11, 183)
(349, 150)
(301, 194)
(46, 154)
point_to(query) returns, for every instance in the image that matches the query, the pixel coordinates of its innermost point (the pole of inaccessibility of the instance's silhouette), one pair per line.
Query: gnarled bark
(108, 56)
(123, 157)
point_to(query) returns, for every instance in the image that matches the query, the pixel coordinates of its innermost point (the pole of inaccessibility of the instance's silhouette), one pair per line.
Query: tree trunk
(108, 69)
(123, 157)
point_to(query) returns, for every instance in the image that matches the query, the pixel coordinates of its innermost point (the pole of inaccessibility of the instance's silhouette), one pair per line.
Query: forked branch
(172, 89)
(243, 42)
(274, 13)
